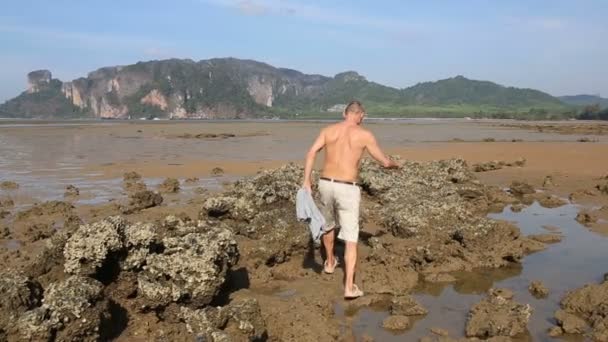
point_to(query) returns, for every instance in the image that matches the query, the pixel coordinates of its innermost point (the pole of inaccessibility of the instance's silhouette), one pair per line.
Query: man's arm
(374, 150)
(310, 160)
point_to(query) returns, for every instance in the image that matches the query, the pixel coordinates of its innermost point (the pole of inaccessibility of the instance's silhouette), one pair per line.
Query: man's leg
(328, 242)
(350, 259)
(348, 211)
(326, 206)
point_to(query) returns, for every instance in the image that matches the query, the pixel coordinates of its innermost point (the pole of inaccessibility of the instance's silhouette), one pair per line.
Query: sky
(557, 46)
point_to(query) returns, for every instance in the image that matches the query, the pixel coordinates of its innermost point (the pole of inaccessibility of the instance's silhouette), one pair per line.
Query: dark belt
(339, 181)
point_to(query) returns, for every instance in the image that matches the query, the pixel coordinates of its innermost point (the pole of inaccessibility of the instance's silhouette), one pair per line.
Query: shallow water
(580, 258)
(44, 157)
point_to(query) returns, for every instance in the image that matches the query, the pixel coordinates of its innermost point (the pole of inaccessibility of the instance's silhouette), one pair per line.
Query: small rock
(603, 188)
(217, 171)
(555, 331)
(519, 188)
(570, 323)
(406, 306)
(551, 228)
(366, 338)
(546, 238)
(439, 331)
(489, 140)
(71, 191)
(548, 182)
(498, 315)
(132, 182)
(143, 200)
(521, 161)
(9, 185)
(396, 322)
(131, 177)
(549, 201)
(586, 139)
(586, 218)
(200, 190)
(6, 203)
(439, 278)
(4, 214)
(169, 186)
(516, 208)
(538, 289)
(191, 180)
(5, 232)
(487, 166)
(501, 293)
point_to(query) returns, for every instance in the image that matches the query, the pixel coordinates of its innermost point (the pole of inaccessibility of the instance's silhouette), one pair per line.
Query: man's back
(344, 146)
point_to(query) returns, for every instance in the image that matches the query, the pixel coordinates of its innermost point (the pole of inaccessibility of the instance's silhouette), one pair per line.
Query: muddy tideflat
(44, 158)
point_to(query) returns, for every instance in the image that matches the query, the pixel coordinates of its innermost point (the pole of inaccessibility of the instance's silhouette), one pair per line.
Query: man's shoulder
(363, 132)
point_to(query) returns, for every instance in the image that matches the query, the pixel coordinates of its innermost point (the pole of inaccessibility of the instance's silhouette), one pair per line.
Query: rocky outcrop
(37, 80)
(19, 294)
(155, 98)
(261, 208)
(72, 310)
(92, 244)
(260, 90)
(497, 165)
(498, 315)
(190, 269)
(585, 311)
(238, 321)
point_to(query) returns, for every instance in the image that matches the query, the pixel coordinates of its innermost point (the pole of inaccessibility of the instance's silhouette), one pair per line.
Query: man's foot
(353, 293)
(329, 269)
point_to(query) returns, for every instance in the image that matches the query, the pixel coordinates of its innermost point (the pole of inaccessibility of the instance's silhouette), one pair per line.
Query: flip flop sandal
(356, 293)
(330, 269)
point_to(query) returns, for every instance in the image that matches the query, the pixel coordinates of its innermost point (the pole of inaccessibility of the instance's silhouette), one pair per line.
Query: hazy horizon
(553, 46)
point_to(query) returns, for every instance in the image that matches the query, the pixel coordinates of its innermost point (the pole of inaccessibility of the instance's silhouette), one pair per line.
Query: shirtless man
(344, 145)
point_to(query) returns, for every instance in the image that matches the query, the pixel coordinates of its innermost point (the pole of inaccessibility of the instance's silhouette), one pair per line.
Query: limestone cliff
(234, 88)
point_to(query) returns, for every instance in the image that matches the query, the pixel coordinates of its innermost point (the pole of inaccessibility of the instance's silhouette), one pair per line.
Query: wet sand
(44, 159)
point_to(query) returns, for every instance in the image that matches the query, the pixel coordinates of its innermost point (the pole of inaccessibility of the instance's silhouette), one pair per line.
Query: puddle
(580, 258)
(93, 191)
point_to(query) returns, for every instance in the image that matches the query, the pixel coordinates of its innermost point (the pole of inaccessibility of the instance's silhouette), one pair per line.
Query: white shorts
(341, 201)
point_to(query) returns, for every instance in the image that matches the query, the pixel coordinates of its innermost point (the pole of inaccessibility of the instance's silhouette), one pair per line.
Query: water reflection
(578, 259)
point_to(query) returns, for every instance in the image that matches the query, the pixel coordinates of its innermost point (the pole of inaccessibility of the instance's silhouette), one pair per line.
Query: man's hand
(307, 186)
(391, 164)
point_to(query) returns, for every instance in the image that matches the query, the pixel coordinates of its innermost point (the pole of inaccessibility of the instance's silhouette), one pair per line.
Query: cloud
(91, 40)
(538, 23)
(250, 7)
(315, 13)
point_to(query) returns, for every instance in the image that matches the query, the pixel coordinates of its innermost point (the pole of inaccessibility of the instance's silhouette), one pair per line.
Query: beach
(480, 171)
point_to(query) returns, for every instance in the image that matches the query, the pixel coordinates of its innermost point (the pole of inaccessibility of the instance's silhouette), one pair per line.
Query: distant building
(338, 108)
